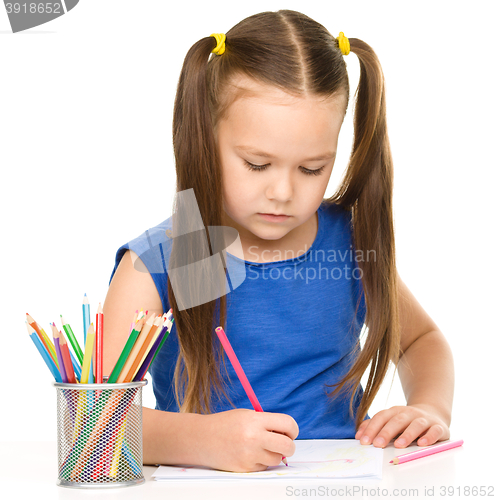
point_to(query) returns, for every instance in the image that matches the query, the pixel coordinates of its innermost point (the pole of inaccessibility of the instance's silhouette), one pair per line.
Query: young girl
(255, 135)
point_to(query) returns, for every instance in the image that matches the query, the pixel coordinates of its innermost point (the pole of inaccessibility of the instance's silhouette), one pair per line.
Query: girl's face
(292, 143)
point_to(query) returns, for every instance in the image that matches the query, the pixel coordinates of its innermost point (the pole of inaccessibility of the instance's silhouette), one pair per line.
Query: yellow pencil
(88, 354)
(117, 452)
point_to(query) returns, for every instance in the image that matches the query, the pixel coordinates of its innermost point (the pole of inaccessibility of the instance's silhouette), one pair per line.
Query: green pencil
(125, 352)
(72, 339)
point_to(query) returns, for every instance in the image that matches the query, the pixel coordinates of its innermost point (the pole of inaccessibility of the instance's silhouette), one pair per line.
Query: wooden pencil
(43, 338)
(56, 341)
(145, 341)
(157, 345)
(425, 452)
(125, 352)
(133, 322)
(147, 327)
(86, 325)
(50, 363)
(99, 345)
(88, 354)
(86, 316)
(66, 355)
(240, 372)
(72, 339)
(163, 322)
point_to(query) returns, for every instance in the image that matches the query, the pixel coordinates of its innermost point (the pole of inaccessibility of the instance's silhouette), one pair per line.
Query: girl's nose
(281, 187)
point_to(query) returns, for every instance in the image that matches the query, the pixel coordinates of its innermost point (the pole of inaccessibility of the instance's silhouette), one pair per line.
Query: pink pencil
(426, 452)
(240, 372)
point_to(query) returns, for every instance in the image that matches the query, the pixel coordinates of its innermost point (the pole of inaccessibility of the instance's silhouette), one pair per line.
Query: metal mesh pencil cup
(99, 435)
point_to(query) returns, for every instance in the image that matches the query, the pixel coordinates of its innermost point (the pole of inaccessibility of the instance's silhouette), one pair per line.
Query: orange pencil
(44, 338)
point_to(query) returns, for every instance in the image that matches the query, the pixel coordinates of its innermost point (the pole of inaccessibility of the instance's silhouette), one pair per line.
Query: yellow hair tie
(221, 43)
(344, 44)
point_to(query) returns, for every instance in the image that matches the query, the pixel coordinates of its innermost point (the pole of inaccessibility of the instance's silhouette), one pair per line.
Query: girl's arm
(426, 371)
(237, 440)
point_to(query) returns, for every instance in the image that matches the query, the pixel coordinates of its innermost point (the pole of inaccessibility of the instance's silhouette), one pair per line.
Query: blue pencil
(75, 365)
(44, 354)
(86, 316)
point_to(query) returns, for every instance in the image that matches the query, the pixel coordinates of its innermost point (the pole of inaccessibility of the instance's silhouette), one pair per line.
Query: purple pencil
(56, 341)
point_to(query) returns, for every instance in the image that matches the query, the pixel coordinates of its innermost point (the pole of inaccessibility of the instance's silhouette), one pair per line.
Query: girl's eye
(259, 168)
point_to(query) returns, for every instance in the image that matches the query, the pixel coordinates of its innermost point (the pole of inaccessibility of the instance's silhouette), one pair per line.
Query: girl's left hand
(407, 423)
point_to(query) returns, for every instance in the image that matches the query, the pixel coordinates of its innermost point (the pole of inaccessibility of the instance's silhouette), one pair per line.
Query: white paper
(313, 458)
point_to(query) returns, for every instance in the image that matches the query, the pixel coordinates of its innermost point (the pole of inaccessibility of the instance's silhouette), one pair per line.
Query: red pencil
(99, 345)
(66, 356)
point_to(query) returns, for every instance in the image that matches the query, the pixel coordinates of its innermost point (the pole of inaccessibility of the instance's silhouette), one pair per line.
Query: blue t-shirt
(292, 324)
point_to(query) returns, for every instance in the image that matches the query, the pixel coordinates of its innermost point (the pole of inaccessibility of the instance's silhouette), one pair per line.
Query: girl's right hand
(244, 440)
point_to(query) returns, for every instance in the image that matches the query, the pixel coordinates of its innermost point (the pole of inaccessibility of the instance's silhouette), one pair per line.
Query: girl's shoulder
(153, 247)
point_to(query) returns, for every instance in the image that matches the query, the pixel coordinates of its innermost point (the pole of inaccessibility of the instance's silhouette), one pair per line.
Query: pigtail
(197, 367)
(367, 189)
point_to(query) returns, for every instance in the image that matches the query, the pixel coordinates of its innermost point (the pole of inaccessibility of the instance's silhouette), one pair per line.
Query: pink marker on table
(425, 452)
(240, 372)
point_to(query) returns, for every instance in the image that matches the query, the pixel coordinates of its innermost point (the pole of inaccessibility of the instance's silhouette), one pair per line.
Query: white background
(87, 164)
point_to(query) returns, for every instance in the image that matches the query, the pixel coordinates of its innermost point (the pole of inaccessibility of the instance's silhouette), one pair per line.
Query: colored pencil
(86, 316)
(99, 345)
(44, 353)
(430, 450)
(72, 339)
(238, 368)
(133, 359)
(239, 371)
(56, 341)
(86, 325)
(131, 326)
(50, 348)
(144, 348)
(159, 342)
(75, 364)
(66, 356)
(88, 354)
(169, 324)
(118, 439)
(125, 352)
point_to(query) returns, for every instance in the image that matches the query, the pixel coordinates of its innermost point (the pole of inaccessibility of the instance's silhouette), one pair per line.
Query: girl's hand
(407, 423)
(244, 440)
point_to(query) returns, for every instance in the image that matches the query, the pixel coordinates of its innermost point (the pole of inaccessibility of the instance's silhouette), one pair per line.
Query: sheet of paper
(313, 458)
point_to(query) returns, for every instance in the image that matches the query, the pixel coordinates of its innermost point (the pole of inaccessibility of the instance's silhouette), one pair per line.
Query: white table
(30, 469)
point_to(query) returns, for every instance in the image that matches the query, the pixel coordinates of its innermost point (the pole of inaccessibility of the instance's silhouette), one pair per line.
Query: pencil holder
(99, 435)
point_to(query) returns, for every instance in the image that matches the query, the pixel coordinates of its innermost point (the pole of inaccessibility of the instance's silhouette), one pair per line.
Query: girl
(255, 134)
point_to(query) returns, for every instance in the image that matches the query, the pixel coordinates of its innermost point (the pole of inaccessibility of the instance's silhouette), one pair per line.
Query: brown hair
(290, 51)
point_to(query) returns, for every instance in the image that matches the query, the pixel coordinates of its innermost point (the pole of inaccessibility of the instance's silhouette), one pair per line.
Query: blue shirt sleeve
(153, 248)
